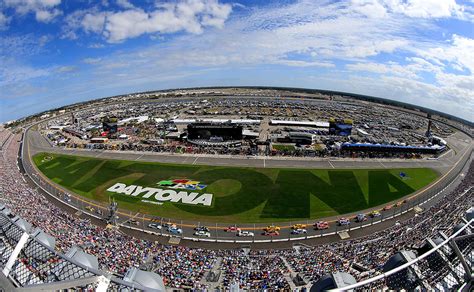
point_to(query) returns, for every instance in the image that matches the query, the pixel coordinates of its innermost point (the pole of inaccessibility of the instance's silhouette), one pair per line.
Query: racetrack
(459, 143)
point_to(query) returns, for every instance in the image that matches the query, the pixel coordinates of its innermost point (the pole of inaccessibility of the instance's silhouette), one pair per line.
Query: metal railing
(447, 266)
(30, 264)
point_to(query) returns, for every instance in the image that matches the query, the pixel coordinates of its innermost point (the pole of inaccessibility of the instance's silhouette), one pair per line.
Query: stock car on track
(271, 233)
(244, 233)
(299, 226)
(344, 222)
(202, 233)
(375, 214)
(232, 229)
(388, 207)
(132, 222)
(360, 218)
(271, 228)
(398, 204)
(201, 228)
(175, 230)
(320, 225)
(299, 231)
(155, 226)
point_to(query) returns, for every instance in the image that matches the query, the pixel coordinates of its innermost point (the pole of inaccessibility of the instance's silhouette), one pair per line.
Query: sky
(58, 52)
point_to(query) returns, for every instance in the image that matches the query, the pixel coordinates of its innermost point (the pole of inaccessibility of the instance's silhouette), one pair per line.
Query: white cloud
(298, 63)
(191, 16)
(93, 22)
(124, 4)
(44, 10)
(425, 8)
(4, 21)
(458, 53)
(67, 69)
(370, 8)
(387, 69)
(12, 72)
(395, 44)
(47, 15)
(91, 60)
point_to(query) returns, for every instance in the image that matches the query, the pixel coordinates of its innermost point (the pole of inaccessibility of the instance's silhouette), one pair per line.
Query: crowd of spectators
(184, 267)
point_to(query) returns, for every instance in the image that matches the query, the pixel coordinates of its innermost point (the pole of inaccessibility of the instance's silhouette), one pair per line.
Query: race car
(388, 207)
(299, 226)
(399, 204)
(271, 233)
(344, 222)
(232, 229)
(299, 231)
(175, 230)
(90, 208)
(360, 218)
(132, 222)
(375, 214)
(271, 228)
(201, 228)
(155, 226)
(245, 233)
(202, 233)
(320, 225)
(170, 224)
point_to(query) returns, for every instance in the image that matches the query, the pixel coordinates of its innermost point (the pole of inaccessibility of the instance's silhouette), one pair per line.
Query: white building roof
(360, 131)
(318, 124)
(246, 132)
(233, 121)
(139, 119)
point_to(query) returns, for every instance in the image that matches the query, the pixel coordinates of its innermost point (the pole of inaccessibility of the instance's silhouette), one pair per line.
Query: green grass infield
(239, 194)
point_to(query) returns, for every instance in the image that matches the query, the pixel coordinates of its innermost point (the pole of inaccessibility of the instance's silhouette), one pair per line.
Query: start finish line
(162, 195)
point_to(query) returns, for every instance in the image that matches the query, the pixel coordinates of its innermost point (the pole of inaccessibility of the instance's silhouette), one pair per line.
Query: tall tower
(428, 131)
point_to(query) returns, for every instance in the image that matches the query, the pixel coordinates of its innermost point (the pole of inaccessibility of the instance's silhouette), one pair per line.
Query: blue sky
(57, 52)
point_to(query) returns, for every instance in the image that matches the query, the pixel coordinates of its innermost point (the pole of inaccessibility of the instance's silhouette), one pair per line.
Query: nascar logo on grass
(170, 195)
(182, 184)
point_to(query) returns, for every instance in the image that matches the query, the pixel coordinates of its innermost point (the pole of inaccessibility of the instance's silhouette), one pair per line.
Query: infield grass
(240, 194)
